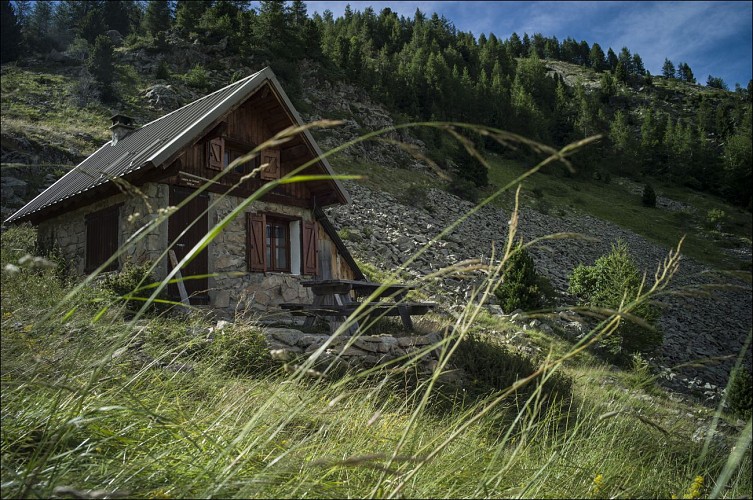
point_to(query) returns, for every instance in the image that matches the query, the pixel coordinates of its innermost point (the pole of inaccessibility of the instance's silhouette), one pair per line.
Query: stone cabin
(278, 241)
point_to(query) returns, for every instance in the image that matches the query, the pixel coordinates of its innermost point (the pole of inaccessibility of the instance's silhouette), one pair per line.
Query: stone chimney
(122, 125)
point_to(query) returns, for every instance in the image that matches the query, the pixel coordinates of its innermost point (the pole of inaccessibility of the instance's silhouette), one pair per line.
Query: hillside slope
(388, 221)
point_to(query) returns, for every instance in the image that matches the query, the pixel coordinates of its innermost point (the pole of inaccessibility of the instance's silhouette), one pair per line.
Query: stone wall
(257, 292)
(254, 292)
(67, 232)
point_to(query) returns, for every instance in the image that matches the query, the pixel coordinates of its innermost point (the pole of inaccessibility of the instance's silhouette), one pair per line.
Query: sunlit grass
(108, 406)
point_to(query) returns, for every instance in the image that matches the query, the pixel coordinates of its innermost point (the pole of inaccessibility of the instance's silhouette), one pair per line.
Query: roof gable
(156, 142)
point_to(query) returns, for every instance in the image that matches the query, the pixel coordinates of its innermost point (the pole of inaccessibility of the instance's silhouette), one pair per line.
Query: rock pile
(380, 229)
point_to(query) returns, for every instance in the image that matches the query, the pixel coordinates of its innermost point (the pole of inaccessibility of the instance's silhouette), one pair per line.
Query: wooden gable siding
(248, 125)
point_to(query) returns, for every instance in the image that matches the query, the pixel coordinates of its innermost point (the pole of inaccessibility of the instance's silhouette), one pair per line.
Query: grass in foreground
(81, 411)
(95, 405)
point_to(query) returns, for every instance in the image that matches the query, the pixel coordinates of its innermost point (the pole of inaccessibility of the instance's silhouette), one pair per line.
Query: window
(102, 238)
(279, 243)
(221, 152)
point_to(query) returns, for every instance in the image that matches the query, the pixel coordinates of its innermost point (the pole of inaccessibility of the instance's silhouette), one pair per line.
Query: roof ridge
(242, 80)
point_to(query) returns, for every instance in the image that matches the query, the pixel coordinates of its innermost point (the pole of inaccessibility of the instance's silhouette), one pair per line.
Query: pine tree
(684, 73)
(10, 32)
(120, 15)
(273, 32)
(627, 61)
(620, 134)
(637, 65)
(668, 69)
(621, 72)
(93, 23)
(716, 83)
(611, 59)
(157, 17)
(101, 66)
(596, 58)
(69, 15)
(40, 27)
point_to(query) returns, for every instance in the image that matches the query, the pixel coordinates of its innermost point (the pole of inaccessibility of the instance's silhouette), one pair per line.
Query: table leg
(403, 310)
(310, 320)
(341, 300)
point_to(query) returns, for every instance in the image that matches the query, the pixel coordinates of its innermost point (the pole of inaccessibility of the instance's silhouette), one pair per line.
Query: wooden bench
(332, 300)
(372, 309)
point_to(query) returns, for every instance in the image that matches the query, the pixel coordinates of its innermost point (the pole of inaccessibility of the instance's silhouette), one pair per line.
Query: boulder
(163, 97)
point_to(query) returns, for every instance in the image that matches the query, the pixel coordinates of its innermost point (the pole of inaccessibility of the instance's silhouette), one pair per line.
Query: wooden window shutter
(102, 238)
(310, 242)
(272, 157)
(255, 226)
(216, 153)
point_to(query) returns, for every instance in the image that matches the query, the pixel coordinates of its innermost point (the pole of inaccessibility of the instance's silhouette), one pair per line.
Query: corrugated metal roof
(155, 142)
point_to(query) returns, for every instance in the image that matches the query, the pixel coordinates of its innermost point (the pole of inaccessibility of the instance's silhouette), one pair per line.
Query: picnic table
(334, 299)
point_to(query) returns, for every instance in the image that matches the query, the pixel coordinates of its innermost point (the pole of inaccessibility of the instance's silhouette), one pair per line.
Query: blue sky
(712, 37)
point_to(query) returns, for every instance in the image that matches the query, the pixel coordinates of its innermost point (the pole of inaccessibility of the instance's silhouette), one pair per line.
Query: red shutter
(309, 248)
(272, 157)
(255, 225)
(216, 153)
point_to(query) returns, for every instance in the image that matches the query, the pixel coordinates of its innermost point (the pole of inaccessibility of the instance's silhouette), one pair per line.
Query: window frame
(258, 259)
(270, 245)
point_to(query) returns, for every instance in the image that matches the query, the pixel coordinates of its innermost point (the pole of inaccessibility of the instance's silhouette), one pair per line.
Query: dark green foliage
(716, 82)
(188, 13)
(668, 69)
(92, 25)
(130, 282)
(492, 367)
(684, 73)
(39, 27)
(101, 66)
(613, 278)
(163, 71)
(463, 188)
(157, 17)
(648, 198)
(621, 73)
(241, 350)
(520, 283)
(121, 15)
(10, 31)
(738, 168)
(740, 393)
(596, 58)
(197, 77)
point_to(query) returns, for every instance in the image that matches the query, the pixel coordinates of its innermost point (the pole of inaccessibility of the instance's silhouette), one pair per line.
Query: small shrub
(740, 393)
(715, 218)
(415, 196)
(649, 196)
(242, 350)
(463, 188)
(197, 77)
(493, 367)
(612, 277)
(522, 287)
(131, 278)
(163, 71)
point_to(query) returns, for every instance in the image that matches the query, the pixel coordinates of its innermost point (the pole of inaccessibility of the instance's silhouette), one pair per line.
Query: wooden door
(178, 222)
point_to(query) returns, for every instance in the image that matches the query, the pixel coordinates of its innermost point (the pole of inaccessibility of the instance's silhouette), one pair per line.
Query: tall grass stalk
(85, 414)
